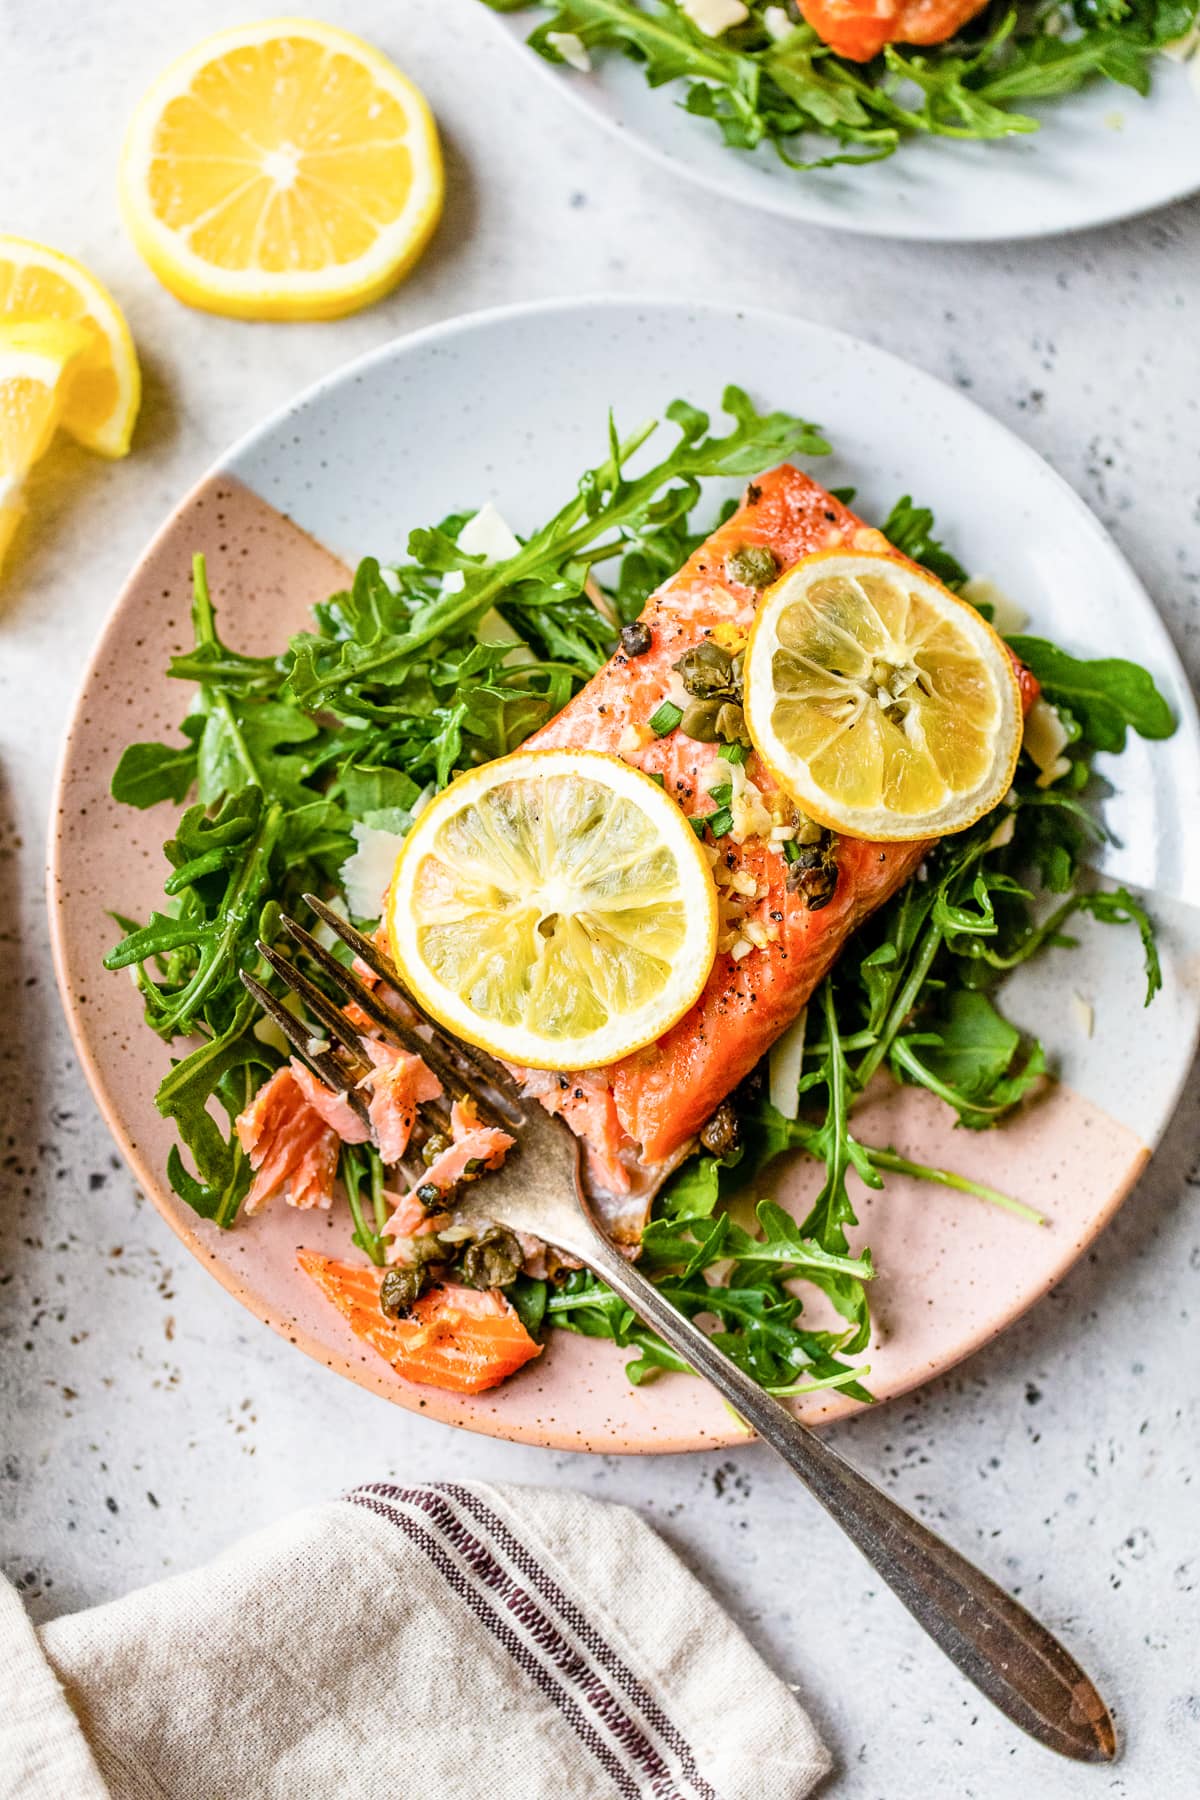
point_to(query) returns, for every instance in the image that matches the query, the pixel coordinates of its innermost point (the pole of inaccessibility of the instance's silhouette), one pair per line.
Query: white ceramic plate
(509, 407)
(1101, 154)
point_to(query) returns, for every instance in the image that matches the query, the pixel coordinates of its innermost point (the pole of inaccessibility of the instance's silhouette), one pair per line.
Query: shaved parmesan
(1003, 833)
(777, 23)
(1045, 740)
(488, 535)
(712, 17)
(1007, 616)
(571, 48)
(367, 874)
(784, 1068)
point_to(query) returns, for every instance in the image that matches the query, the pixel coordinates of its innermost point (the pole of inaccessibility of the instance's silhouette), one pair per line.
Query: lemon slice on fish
(554, 908)
(886, 707)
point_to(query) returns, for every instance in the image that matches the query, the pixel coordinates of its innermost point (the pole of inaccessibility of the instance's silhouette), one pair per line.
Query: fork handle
(988, 1636)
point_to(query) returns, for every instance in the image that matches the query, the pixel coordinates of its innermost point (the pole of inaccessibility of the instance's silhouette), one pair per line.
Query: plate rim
(777, 206)
(150, 1179)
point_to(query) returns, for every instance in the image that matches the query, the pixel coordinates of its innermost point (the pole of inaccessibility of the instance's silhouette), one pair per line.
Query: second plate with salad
(512, 534)
(970, 122)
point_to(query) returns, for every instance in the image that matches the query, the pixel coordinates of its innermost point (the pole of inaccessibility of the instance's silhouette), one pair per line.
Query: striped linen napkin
(440, 1642)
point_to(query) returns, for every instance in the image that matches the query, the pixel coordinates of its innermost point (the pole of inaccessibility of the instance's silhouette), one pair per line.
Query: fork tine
(389, 1026)
(323, 1007)
(323, 1063)
(365, 948)
(319, 1004)
(476, 1066)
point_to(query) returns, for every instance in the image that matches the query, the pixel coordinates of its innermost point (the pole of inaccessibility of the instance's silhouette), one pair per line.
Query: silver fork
(988, 1636)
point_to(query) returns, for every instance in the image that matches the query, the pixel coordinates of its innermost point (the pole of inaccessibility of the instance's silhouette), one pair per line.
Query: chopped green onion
(722, 794)
(656, 775)
(666, 718)
(719, 822)
(791, 850)
(698, 823)
(733, 753)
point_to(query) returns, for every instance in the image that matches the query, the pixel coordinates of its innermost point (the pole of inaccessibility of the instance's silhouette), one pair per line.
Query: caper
(493, 1259)
(731, 724)
(812, 872)
(700, 721)
(430, 1195)
(706, 670)
(720, 1135)
(809, 856)
(399, 1288)
(808, 831)
(432, 1148)
(753, 566)
(635, 638)
(817, 886)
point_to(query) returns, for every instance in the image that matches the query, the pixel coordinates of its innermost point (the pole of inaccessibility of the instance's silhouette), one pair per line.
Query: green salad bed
(400, 681)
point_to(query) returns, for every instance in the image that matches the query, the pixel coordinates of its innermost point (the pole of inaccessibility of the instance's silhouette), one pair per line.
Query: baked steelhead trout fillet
(791, 895)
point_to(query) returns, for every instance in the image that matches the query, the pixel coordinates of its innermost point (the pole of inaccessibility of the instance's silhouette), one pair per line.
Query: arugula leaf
(230, 1066)
(910, 529)
(693, 1191)
(972, 1058)
(1107, 697)
(528, 1298)
(149, 773)
(390, 643)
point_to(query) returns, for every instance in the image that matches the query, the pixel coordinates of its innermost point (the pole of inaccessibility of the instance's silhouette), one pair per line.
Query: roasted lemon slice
(554, 908)
(887, 707)
(39, 285)
(281, 170)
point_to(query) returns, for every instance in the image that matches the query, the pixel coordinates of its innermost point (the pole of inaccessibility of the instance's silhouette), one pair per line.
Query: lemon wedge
(554, 908)
(36, 365)
(281, 170)
(883, 704)
(39, 284)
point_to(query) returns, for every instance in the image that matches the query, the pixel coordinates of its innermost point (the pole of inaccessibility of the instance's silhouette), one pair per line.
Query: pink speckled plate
(507, 406)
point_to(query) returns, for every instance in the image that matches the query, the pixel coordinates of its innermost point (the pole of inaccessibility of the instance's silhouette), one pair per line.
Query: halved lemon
(555, 908)
(281, 170)
(37, 283)
(36, 366)
(883, 704)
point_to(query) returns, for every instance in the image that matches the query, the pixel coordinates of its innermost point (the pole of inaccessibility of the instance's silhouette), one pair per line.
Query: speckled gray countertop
(147, 1419)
